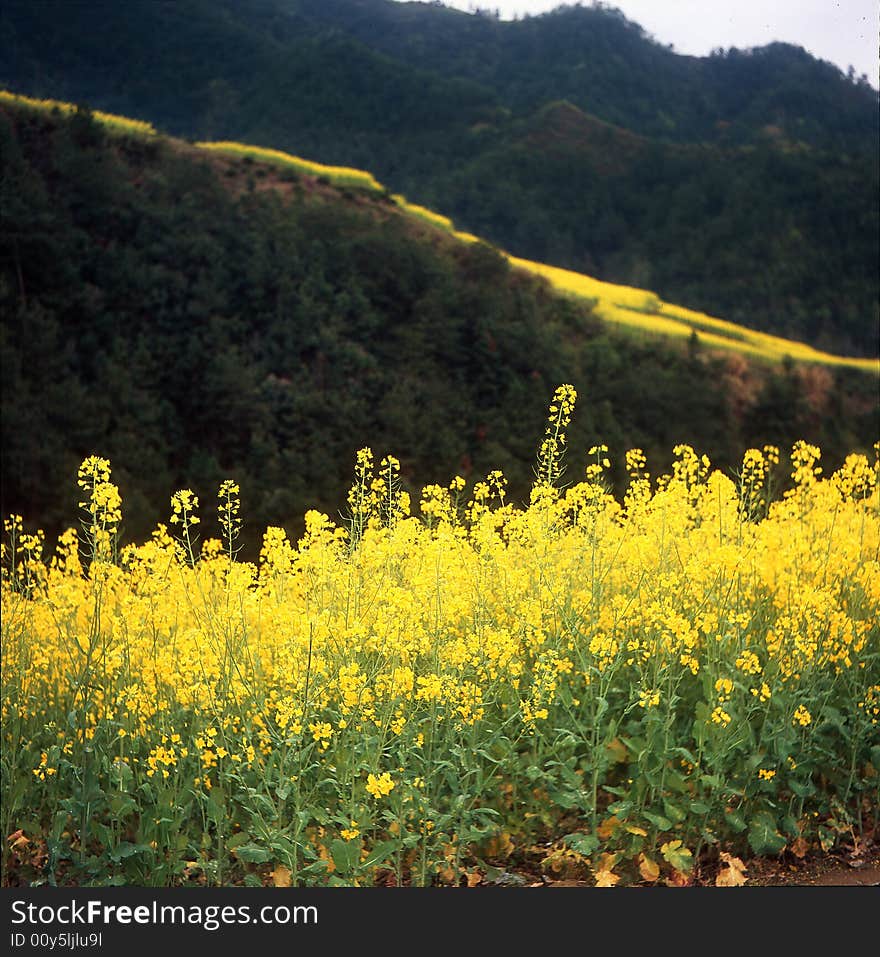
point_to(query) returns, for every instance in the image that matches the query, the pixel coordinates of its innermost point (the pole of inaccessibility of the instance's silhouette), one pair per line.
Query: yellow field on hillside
(338, 175)
(644, 310)
(114, 123)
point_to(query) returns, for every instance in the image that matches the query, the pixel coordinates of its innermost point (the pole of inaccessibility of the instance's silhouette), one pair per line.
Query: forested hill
(608, 65)
(744, 184)
(195, 316)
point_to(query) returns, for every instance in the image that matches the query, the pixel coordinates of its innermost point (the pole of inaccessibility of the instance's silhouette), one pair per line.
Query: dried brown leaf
(799, 847)
(649, 869)
(500, 846)
(678, 879)
(732, 873)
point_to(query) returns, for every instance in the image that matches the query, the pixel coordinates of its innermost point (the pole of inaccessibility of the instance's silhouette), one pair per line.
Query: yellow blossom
(380, 785)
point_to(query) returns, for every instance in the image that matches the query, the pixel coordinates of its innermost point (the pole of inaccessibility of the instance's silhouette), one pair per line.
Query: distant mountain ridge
(751, 191)
(593, 56)
(610, 66)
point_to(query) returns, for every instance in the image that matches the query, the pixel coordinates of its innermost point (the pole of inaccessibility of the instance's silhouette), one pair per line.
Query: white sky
(844, 32)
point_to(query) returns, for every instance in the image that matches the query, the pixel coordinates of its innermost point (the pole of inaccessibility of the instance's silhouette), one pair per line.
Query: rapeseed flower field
(114, 124)
(342, 176)
(435, 691)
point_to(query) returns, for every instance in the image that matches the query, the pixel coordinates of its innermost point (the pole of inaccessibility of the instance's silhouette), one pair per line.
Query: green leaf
(127, 849)
(697, 807)
(619, 808)
(91, 793)
(238, 839)
(827, 838)
(784, 743)
(736, 820)
(216, 806)
(122, 804)
(256, 801)
(252, 854)
(831, 717)
(660, 822)
(635, 746)
(802, 788)
(653, 776)
(674, 812)
(585, 844)
(346, 855)
(763, 836)
(379, 853)
(675, 781)
(565, 798)
(676, 854)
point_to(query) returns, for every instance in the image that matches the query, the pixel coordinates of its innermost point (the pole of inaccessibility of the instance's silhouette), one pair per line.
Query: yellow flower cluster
(414, 632)
(380, 785)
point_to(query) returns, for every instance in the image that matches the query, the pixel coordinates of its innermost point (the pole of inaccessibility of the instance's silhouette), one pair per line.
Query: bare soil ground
(852, 863)
(825, 871)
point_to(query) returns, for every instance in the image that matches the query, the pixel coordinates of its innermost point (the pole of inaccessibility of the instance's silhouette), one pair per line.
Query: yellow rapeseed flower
(381, 785)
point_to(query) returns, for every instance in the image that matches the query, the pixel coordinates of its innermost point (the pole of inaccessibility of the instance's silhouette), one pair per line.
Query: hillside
(744, 184)
(776, 240)
(194, 315)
